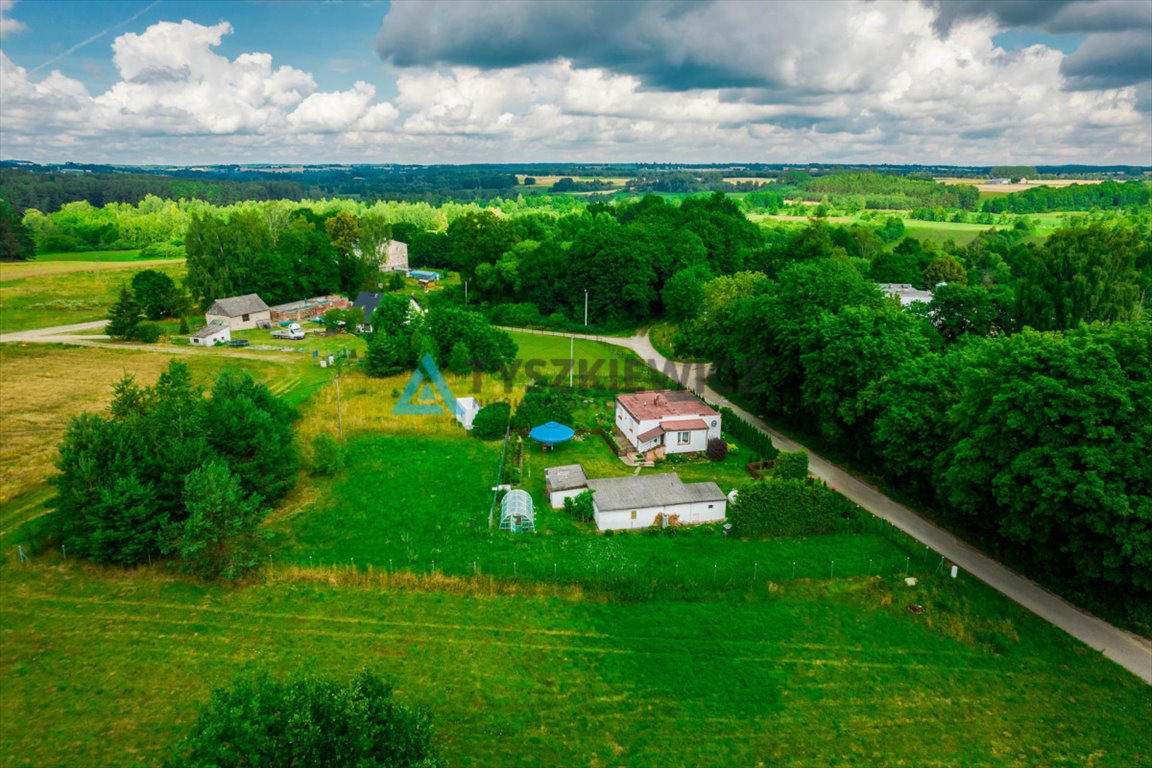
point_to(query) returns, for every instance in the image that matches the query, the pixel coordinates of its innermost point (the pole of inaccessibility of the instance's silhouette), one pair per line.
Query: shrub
(308, 722)
(538, 408)
(491, 421)
(147, 333)
(163, 251)
(775, 507)
(717, 449)
(791, 465)
(327, 455)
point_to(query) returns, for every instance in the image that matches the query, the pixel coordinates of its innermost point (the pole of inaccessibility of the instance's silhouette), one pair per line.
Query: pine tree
(124, 316)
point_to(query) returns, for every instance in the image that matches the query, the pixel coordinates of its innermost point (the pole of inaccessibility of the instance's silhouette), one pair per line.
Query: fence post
(755, 570)
(64, 552)
(832, 571)
(869, 567)
(20, 552)
(475, 570)
(793, 570)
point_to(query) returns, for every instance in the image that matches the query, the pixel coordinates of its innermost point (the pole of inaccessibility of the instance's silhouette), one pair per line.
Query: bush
(717, 449)
(327, 455)
(790, 465)
(163, 251)
(538, 408)
(147, 333)
(308, 722)
(775, 507)
(491, 421)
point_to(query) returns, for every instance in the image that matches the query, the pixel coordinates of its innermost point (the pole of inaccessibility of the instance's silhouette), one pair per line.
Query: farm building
(639, 501)
(566, 482)
(300, 311)
(240, 313)
(212, 334)
(466, 410)
(516, 512)
(368, 301)
(905, 293)
(666, 422)
(391, 256)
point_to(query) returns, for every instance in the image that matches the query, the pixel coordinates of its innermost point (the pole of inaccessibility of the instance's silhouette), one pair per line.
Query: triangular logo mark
(419, 396)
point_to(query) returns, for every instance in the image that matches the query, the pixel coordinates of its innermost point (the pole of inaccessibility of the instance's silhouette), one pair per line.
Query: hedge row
(774, 507)
(752, 438)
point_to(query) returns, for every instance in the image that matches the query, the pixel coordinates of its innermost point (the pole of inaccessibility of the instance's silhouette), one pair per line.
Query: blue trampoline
(551, 433)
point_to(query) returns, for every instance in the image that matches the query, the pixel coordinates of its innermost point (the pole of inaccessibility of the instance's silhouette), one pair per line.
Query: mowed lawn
(420, 505)
(44, 294)
(106, 668)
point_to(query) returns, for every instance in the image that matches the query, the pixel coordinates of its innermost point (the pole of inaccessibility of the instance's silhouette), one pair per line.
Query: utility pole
(585, 307)
(465, 291)
(571, 359)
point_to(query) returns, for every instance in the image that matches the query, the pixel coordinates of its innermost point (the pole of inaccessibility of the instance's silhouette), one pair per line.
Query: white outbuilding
(210, 335)
(566, 482)
(639, 501)
(466, 410)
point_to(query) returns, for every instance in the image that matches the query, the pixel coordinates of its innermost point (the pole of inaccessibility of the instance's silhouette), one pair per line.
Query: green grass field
(132, 255)
(41, 295)
(107, 668)
(391, 508)
(563, 648)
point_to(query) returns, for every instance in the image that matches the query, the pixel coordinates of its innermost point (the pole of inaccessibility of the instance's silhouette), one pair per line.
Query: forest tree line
(1018, 403)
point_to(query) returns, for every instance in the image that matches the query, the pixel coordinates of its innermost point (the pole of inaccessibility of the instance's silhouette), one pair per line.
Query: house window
(683, 438)
(710, 506)
(244, 318)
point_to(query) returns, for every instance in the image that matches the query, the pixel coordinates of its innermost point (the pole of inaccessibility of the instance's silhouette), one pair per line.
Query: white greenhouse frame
(517, 512)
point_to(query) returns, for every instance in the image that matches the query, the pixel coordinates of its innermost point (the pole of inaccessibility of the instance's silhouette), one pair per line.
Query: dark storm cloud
(669, 44)
(1110, 60)
(1009, 13)
(1103, 16)
(1056, 17)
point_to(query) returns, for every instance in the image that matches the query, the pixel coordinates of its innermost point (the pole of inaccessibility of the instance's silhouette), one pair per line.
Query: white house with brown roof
(666, 422)
(240, 313)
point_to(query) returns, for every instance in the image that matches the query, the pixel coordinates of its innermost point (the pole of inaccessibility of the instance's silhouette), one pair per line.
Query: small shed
(212, 334)
(516, 512)
(639, 501)
(566, 482)
(466, 410)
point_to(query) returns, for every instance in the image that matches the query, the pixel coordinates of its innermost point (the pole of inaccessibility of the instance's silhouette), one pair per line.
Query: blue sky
(933, 81)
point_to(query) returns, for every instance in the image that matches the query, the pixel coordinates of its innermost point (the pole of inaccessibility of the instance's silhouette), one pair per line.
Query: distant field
(40, 295)
(133, 255)
(984, 186)
(547, 181)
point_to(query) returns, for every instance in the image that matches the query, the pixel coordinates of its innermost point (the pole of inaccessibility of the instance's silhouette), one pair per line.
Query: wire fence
(622, 572)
